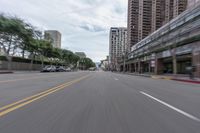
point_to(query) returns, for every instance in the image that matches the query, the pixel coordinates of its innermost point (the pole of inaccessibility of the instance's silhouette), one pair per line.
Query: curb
(165, 78)
(175, 79)
(148, 76)
(6, 72)
(187, 81)
(157, 77)
(132, 74)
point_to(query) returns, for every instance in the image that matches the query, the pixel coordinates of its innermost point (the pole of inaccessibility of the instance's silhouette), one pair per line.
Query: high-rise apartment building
(139, 20)
(133, 15)
(192, 3)
(167, 11)
(146, 16)
(54, 36)
(118, 45)
(178, 7)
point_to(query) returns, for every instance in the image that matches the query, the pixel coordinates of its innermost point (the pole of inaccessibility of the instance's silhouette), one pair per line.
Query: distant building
(81, 54)
(117, 46)
(105, 64)
(54, 36)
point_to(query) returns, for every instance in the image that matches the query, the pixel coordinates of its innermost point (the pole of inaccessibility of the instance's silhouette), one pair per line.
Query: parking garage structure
(171, 49)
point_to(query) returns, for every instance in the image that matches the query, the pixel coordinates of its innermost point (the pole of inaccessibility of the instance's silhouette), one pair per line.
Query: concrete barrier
(19, 66)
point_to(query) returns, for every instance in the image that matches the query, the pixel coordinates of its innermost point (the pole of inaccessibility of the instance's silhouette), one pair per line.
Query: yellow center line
(11, 107)
(28, 98)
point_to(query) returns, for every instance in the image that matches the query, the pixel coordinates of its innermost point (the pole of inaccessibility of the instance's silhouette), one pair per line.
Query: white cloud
(84, 24)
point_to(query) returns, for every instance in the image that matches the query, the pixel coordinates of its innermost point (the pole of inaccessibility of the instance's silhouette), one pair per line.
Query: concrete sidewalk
(21, 72)
(181, 78)
(16, 72)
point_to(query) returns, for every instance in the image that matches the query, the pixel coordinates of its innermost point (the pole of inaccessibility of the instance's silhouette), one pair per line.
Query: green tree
(13, 34)
(86, 63)
(45, 49)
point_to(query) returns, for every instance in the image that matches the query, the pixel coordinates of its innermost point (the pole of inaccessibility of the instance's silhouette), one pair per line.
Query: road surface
(97, 102)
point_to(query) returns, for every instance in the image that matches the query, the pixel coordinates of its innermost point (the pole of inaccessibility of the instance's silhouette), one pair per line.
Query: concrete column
(135, 65)
(158, 66)
(149, 66)
(196, 59)
(174, 64)
(139, 66)
(130, 68)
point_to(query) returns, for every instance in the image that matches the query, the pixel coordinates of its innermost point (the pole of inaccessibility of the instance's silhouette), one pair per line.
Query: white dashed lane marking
(172, 107)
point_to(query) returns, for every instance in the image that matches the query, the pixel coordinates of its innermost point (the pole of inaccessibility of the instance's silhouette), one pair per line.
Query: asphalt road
(96, 102)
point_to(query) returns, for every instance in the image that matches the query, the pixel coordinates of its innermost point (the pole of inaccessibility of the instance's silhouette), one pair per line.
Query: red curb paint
(188, 81)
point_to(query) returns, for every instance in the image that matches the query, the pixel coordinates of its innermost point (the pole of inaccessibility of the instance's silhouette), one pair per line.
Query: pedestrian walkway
(16, 72)
(21, 72)
(178, 77)
(183, 78)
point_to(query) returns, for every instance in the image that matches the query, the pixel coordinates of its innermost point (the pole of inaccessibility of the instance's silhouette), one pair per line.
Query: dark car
(49, 68)
(60, 69)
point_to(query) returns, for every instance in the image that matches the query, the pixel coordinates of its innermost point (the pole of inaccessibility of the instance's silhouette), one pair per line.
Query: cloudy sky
(84, 24)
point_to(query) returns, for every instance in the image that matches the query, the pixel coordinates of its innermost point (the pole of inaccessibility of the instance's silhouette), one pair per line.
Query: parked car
(49, 68)
(60, 69)
(68, 69)
(92, 69)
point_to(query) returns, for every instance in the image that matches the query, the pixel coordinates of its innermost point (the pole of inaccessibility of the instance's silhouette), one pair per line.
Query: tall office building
(117, 46)
(54, 36)
(146, 16)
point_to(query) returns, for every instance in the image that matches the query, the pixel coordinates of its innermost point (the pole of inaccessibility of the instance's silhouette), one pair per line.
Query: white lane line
(116, 79)
(172, 107)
